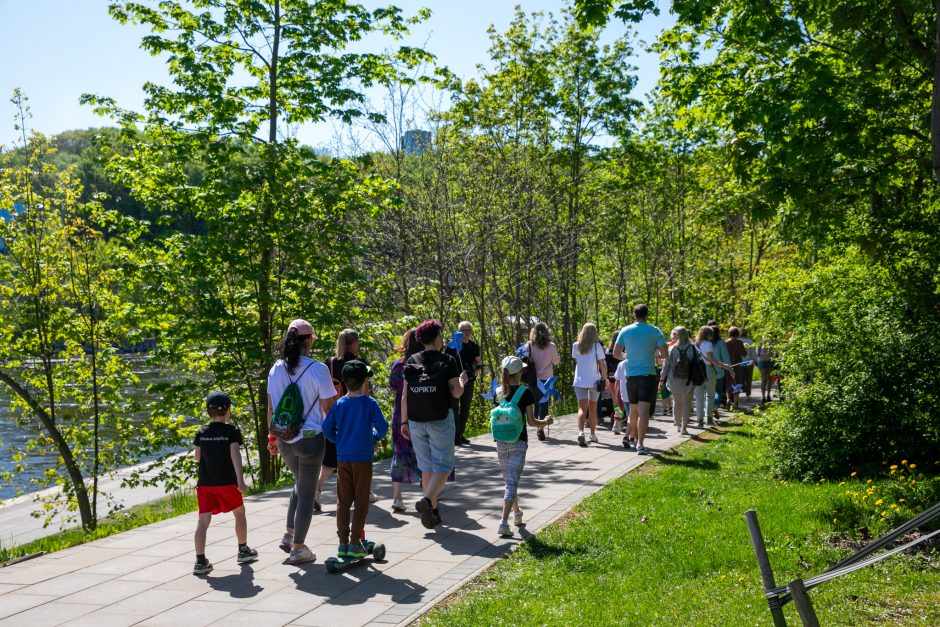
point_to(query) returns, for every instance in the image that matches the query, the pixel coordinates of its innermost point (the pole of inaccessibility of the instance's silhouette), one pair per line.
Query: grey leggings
(303, 457)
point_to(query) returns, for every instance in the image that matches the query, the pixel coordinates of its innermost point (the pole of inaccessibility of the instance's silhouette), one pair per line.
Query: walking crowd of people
(323, 418)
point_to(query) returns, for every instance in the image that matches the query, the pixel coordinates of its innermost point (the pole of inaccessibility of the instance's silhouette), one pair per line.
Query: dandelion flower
(879, 501)
(902, 500)
(841, 483)
(894, 466)
(904, 462)
(912, 466)
(854, 474)
(883, 514)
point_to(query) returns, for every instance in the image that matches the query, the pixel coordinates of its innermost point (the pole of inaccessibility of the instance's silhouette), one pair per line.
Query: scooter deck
(338, 564)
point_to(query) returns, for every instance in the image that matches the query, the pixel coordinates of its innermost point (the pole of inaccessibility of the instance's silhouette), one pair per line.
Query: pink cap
(302, 326)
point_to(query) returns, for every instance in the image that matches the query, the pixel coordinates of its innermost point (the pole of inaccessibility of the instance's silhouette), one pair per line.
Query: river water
(15, 437)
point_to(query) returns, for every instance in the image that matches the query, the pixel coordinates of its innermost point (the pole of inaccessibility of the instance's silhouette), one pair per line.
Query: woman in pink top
(544, 356)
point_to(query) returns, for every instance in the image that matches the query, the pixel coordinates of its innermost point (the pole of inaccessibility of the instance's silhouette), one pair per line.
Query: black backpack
(683, 365)
(426, 386)
(697, 372)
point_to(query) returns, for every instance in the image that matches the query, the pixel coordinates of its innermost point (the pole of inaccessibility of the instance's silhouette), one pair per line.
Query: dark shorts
(642, 389)
(329, 455)
(216, 499)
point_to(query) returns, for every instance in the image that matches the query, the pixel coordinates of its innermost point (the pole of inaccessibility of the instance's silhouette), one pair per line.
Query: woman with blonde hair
(677, 371)
(590, 377)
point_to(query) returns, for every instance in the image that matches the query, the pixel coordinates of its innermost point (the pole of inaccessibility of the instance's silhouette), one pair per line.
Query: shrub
(861, 377)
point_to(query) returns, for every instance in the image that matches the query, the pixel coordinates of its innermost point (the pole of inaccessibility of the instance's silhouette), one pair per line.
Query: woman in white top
(589, 368)
(705, 393)
(304, 453)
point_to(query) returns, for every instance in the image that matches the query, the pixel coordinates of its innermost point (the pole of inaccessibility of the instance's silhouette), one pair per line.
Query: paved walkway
(143, 576)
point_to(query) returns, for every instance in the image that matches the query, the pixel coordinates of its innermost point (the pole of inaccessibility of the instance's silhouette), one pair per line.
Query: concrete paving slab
(144, 576)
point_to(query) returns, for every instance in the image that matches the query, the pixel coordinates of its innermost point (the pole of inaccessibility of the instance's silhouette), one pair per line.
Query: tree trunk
(48, 423)
(265, 462)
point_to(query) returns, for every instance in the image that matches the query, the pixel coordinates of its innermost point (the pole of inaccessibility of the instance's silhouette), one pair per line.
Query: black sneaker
(246, 554)
(541, 434)
(626, 442)
(581, 441)
(427, 513)
(202, 568)
(465, 441)
(437, 517)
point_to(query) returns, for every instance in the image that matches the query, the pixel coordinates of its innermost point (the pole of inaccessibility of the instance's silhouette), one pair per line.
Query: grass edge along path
(668, 545)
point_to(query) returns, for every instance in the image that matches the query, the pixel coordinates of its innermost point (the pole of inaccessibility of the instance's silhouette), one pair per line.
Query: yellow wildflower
(912, 466)
(841, 483)
(879, 501)
(883, 514)
(904, 462)
(902, 501)
(854, 474)
(894, 466)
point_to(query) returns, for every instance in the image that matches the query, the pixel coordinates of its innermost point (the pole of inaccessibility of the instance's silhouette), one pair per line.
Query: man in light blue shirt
(640, 343)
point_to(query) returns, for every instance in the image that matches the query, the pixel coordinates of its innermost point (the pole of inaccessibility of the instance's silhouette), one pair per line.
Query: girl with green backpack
(515, 408)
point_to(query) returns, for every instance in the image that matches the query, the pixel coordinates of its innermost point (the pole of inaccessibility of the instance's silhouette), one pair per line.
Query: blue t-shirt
(355, 424)
(639, 341)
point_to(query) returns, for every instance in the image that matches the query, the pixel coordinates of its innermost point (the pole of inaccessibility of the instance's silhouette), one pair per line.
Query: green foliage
(66, 285)
(873, 507)
(279, 228)
(860, 377)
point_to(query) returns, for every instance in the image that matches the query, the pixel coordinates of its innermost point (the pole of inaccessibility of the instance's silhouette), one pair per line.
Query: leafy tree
(65, 278)
(277, 219)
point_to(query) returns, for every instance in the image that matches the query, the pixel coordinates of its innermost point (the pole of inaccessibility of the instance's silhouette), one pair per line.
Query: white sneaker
(504, 530)
(593, 437)
(373, 497)
(301, 556)
(517, 518)
(398, 505)
(617, 428)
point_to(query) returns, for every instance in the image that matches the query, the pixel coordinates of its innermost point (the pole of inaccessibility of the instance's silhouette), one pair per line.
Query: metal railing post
(763, 562)
(804, 607)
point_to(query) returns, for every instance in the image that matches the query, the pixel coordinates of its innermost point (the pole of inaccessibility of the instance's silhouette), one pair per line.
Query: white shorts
(587, 394)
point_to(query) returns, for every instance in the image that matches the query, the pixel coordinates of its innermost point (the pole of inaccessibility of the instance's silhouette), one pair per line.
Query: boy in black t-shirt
(221, 483)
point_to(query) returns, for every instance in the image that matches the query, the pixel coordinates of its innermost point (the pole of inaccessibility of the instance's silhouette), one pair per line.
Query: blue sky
(55, 50)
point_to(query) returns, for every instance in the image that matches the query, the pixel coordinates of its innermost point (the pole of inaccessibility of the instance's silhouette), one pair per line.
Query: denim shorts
(433, 443)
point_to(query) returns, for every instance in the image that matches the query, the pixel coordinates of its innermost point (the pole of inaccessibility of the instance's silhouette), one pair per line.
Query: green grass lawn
(668, 545)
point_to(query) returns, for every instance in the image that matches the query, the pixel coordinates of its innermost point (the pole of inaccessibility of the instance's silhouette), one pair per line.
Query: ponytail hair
(409, 344)
(539, 335)
(291, 347)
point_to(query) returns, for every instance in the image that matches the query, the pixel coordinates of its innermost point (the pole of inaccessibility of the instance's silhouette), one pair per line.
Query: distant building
(416, 142)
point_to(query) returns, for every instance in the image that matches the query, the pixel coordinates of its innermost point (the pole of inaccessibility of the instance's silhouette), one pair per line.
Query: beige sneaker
(301, 556)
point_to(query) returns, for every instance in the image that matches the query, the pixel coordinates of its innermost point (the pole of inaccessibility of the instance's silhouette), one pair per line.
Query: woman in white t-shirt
(705, 393)
(304, 453)
(589, 368)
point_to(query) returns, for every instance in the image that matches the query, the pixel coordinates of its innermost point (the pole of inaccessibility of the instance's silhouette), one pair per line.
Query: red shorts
(216, 499)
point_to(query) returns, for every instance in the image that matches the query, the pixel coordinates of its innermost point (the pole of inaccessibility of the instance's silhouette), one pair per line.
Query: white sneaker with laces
(517, 518)
(504, 530)
(593, 437)
(398, 505)
(301, 556)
